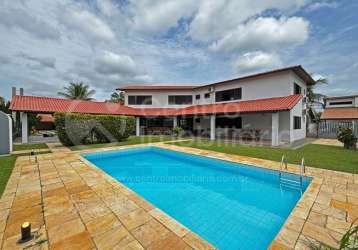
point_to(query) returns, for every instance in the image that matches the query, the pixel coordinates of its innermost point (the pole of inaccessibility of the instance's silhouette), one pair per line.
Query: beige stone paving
(328, 142)
(72, 204)
(19, 152)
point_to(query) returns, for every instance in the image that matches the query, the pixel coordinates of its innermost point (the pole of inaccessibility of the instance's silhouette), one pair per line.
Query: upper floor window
(140, 100)
(207, 95)
(180, 99)
(228, 95)
(297, 89)
(197, 97)
(337, 103)
(297, 122)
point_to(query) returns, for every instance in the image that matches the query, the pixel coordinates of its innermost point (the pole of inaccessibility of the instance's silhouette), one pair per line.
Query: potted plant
(347, 137)
(178, 132)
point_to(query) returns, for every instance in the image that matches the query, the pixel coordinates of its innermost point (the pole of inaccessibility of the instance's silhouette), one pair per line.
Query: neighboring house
(46, 122)
(268, 106)
(340, 111)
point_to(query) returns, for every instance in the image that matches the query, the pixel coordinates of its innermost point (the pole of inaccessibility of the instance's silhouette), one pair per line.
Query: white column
(275, 129)
(10, 134)
(24, 128)
(212, 127)
(137, 126)
(175, 122)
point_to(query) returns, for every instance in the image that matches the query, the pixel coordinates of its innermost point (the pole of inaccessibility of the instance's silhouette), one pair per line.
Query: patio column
(137, 126)
(24, 128)
(175, 121)
(275, 129)
(212, 127)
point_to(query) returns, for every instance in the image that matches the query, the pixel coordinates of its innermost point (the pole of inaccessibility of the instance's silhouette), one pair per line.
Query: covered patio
(264, 120)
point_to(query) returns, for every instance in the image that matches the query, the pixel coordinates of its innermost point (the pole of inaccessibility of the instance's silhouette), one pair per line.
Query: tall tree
(78, 91)
(4, 106)
(117, 97)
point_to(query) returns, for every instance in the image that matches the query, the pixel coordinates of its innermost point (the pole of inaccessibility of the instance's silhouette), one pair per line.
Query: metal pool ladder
(289, 182)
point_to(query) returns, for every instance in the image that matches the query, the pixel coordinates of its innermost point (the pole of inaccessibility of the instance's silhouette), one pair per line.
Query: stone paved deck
(71, 204)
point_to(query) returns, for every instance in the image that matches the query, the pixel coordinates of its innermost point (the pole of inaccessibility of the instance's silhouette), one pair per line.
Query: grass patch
(319, 156)
(7, 164)
(29, 146)
(132, 140)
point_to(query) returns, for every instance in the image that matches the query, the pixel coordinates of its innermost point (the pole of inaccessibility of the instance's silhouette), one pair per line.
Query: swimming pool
(231, 205)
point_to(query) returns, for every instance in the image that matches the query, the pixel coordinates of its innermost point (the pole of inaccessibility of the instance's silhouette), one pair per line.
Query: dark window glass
(197, 97)
(140, 100)
(228, 122)
(228, 95)
(180, 99)
(297, 122)
(341, 103)
(297, 89)
(207, 95)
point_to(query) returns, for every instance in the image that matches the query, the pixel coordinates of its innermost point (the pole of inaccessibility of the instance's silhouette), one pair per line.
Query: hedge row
(76, 129)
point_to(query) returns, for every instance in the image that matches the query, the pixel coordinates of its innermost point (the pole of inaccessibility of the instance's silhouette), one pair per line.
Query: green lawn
(319, 156)
(130, 141)
(6, 165)
(18, 147)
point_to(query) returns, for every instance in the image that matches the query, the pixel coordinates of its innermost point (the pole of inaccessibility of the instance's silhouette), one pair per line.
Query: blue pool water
(233, 206)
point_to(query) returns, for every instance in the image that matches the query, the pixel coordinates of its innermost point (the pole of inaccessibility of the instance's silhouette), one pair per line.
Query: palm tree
(117, 97)
(77, 91)
(312, 97)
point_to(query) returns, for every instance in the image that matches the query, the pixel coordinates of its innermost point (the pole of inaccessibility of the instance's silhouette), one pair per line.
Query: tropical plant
(117, 97)
(4, 106)
(347, 137)
(311, 95)
(77, 91)
(315, 118)
(178, 131)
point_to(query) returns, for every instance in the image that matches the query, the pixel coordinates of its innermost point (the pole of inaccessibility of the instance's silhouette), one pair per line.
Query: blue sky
(106, 44)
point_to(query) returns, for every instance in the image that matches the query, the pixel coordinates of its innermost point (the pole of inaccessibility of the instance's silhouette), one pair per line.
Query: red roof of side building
(52, 105)
(340, 114)
(46, 118)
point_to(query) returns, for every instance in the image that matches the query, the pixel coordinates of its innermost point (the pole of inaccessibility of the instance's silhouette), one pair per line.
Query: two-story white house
(268, 106)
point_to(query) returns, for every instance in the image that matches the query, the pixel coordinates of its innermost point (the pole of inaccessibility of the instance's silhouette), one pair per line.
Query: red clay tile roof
(51, 105)
(157, 87)
(260, 105)
(340, 114)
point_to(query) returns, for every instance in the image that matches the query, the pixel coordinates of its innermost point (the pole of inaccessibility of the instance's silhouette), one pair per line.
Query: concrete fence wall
(5, 133)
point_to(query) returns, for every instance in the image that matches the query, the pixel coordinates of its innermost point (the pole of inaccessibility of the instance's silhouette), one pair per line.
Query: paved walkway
(28, 151)
(329, 142)
(71, 204)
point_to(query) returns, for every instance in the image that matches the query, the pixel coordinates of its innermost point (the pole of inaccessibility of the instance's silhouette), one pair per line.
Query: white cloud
(264, 33)
(215, 19)
(158, 15)
(320, 5)
(46, 62)
(88, 23)
(16, 18)
(111, 63)
(256, 61)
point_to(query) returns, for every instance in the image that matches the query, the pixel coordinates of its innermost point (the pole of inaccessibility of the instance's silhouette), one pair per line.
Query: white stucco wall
(275, 85)
(351, 99)
(297, 134)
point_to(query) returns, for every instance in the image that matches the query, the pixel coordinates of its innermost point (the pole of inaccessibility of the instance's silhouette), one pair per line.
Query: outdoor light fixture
(25, 231)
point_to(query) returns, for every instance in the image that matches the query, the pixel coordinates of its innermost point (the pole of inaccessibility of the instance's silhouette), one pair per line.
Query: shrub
(75, 129)
(347, 137)
(178, 131)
